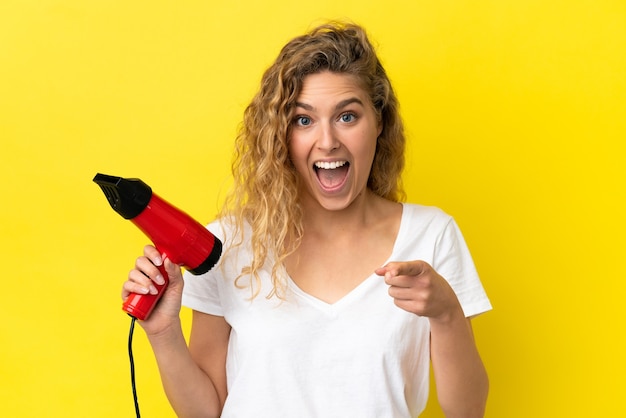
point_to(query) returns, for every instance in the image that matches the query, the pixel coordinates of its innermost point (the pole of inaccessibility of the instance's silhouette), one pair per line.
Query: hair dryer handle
(141, 306)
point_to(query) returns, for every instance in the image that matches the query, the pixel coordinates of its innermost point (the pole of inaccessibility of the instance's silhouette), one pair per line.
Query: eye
(302, 120)
(347, 117)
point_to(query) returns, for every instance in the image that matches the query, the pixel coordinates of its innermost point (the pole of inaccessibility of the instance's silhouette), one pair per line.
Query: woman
(299, 318)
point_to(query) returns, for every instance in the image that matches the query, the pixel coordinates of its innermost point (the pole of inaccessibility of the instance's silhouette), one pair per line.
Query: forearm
(188, 388)
(460, 376)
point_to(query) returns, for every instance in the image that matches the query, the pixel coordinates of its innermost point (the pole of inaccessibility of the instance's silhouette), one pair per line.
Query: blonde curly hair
(265, 191)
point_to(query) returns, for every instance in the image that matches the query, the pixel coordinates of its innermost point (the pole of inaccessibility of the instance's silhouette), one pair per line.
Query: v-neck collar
(358, 290)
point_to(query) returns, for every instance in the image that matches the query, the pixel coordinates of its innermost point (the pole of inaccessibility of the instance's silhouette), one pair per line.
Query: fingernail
(159, 280)
(153, 290)
(157, 261)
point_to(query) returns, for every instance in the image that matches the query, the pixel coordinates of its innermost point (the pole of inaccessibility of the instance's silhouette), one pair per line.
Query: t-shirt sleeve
(453, 261)
(202, 293)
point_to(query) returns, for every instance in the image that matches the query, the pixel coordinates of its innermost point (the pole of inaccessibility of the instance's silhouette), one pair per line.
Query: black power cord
(132, 364)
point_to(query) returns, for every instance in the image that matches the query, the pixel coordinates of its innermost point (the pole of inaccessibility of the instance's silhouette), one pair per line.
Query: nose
(327, 140)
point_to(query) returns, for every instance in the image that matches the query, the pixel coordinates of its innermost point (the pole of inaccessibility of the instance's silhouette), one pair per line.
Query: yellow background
(516, 113)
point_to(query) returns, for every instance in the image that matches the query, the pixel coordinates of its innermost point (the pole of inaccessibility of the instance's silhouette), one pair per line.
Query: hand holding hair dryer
(181, 238)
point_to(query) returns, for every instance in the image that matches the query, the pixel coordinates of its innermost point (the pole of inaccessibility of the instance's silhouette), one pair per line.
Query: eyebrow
(340, 105)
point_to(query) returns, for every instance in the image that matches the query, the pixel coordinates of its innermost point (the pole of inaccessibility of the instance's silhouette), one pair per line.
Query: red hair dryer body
(181, 238)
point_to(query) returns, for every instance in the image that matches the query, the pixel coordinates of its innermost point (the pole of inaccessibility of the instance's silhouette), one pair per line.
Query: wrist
(165, 334)
(448, 317)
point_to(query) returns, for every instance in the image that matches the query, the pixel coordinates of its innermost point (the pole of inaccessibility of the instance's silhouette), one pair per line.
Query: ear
(380, 127)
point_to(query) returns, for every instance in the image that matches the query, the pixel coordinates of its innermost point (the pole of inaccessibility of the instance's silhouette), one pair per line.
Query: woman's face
(333, 139)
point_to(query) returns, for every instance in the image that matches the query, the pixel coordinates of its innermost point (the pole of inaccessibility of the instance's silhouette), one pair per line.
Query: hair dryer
(183, 240)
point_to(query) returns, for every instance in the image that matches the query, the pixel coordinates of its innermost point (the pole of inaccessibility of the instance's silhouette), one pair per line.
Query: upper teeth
(329, 165)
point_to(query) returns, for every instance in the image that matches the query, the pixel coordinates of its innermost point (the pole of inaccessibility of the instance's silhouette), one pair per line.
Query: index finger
(402, 268)
(153, 254)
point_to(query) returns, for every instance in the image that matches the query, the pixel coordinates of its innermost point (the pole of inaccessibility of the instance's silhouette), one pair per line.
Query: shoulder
(428, 225)
(421, 214)
(228, 230)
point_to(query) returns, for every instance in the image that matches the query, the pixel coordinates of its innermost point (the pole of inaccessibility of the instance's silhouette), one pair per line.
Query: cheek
(368, 148)
(297, 153)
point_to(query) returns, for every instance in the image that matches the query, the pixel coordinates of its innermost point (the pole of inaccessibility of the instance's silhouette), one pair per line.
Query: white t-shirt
(359, 357)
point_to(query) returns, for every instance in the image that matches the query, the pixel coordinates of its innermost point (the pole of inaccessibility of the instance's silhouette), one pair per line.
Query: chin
(338, 203)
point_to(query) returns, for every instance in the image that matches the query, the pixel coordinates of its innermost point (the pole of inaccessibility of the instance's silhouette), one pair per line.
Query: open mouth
(331, 175)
